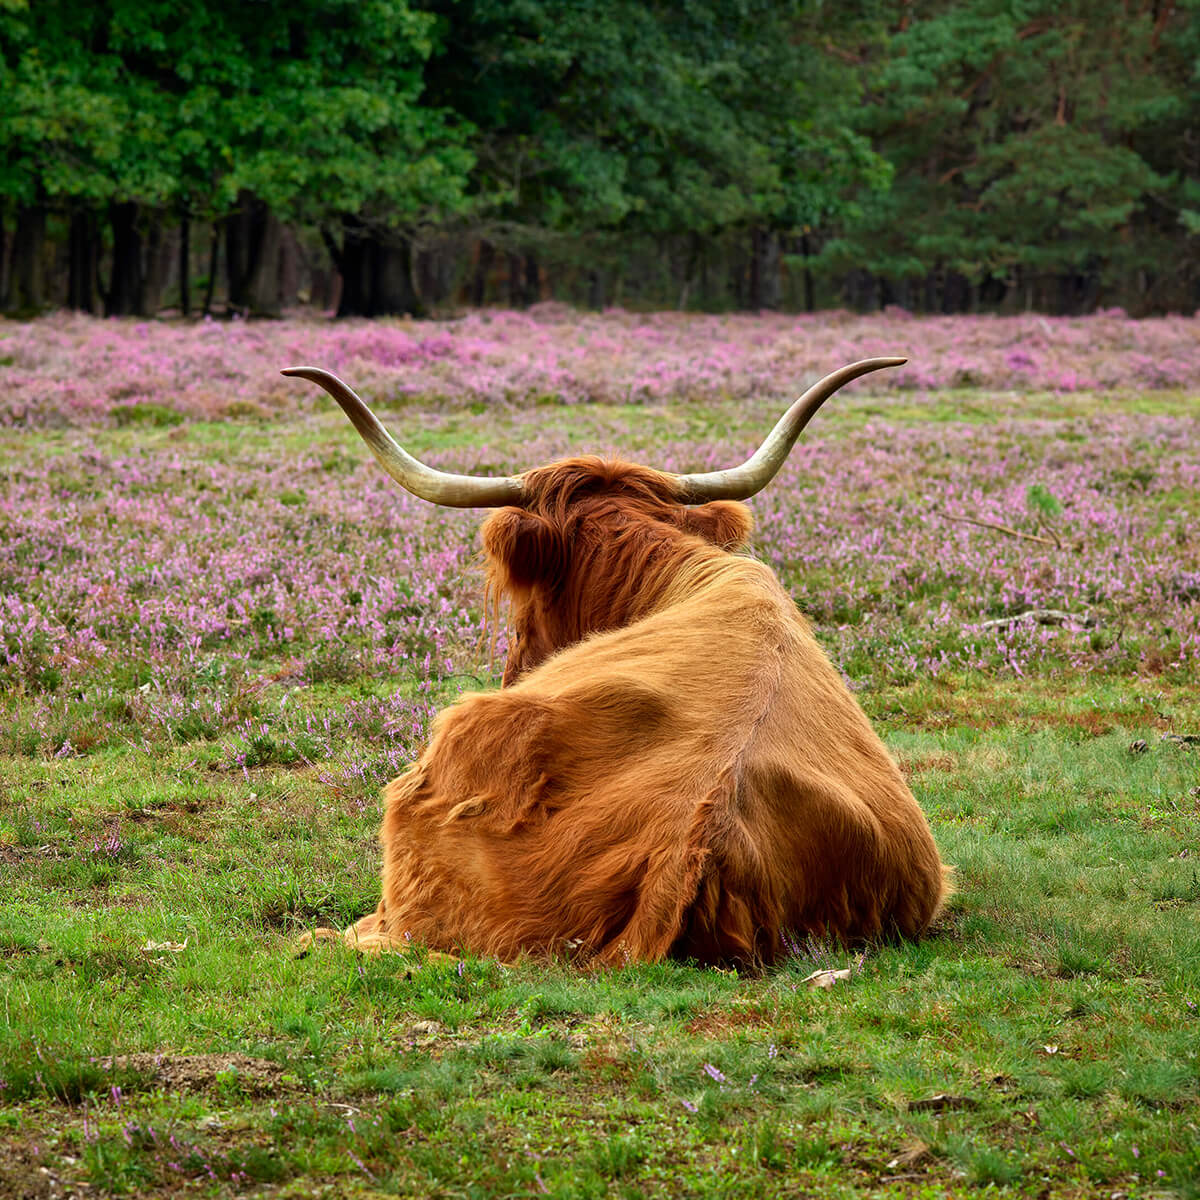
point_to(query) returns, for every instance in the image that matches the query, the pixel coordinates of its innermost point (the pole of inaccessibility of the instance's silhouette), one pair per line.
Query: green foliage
(1028, 139)
(1039, 499)
(311, 106)
(653, 117)
(987, 150)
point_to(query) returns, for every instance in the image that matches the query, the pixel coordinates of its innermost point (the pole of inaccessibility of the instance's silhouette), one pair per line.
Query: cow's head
(589, 549)
(583, 545)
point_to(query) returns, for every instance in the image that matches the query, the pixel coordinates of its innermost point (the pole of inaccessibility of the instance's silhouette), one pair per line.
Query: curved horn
(440, 487)
(739, 483)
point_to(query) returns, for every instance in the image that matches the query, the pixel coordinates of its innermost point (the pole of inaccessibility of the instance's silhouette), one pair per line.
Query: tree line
(393, 156)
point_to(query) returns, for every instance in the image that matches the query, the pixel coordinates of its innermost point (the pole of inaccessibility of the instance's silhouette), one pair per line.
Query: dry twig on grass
(1017, 533)
(1040, 616)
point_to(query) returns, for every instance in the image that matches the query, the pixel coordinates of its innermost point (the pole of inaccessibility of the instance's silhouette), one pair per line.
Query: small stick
(1029, 537)
(1042, 616)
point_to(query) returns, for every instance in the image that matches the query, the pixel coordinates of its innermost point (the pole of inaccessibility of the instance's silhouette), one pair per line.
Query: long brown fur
(673, 766)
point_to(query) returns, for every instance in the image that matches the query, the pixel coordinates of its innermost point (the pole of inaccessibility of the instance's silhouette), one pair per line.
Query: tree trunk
(214, 262)
(865, 291)
(392, 292)
(239, 236)
(733, 260)
(433, 269)
(806, 251)
(533, 279)
(252, 257)
(931, 300)
(516, 281)
(185, 264)
(524, 279)
(27, 292)
(4, 272)
(754, 291)
(263, 291)
(83, 260)
(351, 260)
(954, 293)
(157, 269)
(1077, 292)
(289, 268)
(484, 259)
(327, 285)
(764, 269)
(125, 295)
(376, 272)
(690, 257)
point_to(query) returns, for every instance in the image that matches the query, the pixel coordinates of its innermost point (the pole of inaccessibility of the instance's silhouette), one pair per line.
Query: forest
(373, 157)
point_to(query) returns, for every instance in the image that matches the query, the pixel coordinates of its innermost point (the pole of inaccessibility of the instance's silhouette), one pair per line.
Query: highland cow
(672, 766)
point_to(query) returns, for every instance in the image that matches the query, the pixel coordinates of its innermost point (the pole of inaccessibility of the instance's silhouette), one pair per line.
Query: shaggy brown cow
(673, 766)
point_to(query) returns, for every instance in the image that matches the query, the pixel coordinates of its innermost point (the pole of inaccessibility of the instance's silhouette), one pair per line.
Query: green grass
(1055, 1003)
(161, 1035)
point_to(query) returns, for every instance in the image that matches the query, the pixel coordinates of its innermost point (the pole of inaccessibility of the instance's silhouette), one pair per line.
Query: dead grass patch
(912, 765)
(718, 1023)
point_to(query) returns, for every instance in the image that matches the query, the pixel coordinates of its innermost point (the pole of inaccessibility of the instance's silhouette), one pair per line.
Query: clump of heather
(276, 595)
(75, 370)
(1019, 548)
(168, 593)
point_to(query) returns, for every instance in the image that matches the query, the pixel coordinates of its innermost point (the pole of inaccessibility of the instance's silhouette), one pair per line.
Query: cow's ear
(528, 548)
(724, 523)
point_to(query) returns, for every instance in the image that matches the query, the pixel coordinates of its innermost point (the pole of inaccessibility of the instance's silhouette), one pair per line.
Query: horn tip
(313, 374)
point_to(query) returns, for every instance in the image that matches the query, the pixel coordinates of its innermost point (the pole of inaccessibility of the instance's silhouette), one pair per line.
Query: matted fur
(673, 766)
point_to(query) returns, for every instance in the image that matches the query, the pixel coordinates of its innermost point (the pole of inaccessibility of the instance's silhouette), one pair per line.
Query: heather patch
(209, 587)
(74, 370)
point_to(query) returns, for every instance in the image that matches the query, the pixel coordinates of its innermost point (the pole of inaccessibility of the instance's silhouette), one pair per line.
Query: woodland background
(404, 156)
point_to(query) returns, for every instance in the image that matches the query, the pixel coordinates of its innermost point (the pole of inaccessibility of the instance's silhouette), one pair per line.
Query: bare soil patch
(199, 1072)
(26, 1175)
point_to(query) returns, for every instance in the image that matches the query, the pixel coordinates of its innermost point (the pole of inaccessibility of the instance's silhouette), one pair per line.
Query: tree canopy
(939, 154)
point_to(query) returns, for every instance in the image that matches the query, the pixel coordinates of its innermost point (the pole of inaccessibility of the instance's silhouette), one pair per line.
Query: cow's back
(696, 783)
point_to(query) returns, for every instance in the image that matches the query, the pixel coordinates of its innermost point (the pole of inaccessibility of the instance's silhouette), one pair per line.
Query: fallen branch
(1042, 616)
(941, 1102)
(1186, 740)
(1017, 533)
(1051, 535)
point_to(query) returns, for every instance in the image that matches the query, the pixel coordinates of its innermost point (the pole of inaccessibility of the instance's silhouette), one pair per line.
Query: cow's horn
(759, 469)
(455, 491)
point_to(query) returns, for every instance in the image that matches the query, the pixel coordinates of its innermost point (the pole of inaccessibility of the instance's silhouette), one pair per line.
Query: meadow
(222, 630)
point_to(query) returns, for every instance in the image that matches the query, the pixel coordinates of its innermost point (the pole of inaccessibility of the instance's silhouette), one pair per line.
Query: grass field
(221, 630)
